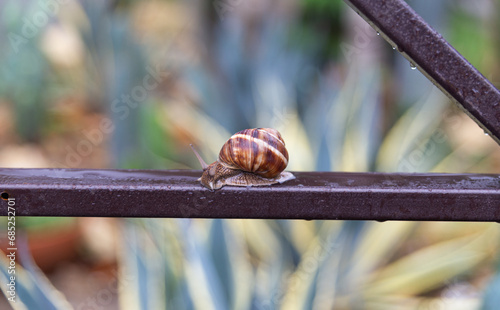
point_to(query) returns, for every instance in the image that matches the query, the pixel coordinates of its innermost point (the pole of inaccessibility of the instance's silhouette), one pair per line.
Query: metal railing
(424, 47)
(312, 195)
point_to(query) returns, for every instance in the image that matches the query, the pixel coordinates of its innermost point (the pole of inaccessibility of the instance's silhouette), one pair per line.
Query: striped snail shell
(251, 157)
(260, 150)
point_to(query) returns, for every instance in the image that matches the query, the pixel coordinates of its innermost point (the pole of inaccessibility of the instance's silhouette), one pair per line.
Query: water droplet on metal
(413, 66)
(378, 33)
(487, 134)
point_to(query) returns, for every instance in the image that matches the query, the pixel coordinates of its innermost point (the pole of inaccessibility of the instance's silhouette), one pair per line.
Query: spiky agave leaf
(33, 289)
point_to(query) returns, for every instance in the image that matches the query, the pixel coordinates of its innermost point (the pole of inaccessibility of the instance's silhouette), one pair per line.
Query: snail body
(251, 157)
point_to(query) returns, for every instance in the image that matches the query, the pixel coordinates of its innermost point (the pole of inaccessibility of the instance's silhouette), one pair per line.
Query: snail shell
(251, 157)
(261, 151)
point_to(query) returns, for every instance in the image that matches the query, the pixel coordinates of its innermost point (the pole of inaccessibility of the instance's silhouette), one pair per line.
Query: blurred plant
(491, 299)
(23, 66)
(32, 289)
(241, 264)
(117, 76)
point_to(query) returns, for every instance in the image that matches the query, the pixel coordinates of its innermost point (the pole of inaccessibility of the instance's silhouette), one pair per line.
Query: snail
(251, 157)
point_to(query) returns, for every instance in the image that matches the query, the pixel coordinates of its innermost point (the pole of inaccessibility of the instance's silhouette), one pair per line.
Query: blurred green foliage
(469, 36)
(23, 71)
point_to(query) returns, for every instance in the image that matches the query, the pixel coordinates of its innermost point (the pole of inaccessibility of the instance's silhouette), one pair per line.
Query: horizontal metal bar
(312, 195)
(404, 29)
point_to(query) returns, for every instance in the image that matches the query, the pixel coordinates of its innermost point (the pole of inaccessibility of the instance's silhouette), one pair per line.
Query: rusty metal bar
(313, 195)
(404, 29)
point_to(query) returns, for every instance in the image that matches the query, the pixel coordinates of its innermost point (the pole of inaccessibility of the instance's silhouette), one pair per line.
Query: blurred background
(130, 84)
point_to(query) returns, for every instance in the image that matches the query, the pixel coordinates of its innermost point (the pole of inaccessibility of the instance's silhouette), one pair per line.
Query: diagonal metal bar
(404, 29)
(313, 195)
